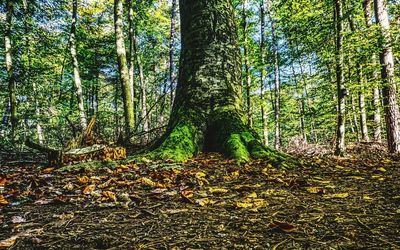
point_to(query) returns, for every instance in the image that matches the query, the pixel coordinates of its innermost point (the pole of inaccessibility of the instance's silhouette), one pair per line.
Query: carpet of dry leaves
(206, 203)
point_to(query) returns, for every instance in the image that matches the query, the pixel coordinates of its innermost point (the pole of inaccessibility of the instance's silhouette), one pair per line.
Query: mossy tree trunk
(207, 109)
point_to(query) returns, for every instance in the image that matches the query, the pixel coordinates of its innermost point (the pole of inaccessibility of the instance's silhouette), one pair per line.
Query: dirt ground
(206, 203)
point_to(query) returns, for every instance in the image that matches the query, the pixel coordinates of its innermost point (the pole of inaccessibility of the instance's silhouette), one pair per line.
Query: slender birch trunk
(75, 64)
(9, 67)
(341, 91)
(247, 76)
(172, 52)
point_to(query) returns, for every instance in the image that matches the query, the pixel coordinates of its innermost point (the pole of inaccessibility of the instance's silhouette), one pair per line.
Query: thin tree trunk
(27, 21)
(367, 6)
(132, 39)
(388, 78)
(172, 52)
(143, 95)
(247, 76)
(123, 68)
(9, 67)
(341, 91)
(354, 125)
(75, 64)
(277, 87)
(361, 97)
(264, 118)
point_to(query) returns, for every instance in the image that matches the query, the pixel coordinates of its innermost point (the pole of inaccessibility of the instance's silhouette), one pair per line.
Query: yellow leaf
(3, 201)
(216, 190)
(69, 186)
(8, 242)
(235, 173)
(338, 195)
(244, 204)
(89, 189)
(148, 182)
(83, 179)
(367, 198)
(200, 175)
(109, 195)
(252, 195)
(381, 170)
(357, 177)
(315, 190)
(339, 167)
(204, 202)
(105, 184)
(378, 177)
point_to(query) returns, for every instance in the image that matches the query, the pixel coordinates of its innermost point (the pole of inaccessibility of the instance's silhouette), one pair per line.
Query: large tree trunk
(341, 91)
(207, 113)
(75, 64)
(388, 78)
(123, 67)
(9, 67)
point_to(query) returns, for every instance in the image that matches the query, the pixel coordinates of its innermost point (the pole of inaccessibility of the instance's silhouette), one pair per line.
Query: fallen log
(58, 157)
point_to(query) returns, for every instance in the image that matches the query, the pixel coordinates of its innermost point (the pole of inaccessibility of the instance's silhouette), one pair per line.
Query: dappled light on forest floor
(208, 202)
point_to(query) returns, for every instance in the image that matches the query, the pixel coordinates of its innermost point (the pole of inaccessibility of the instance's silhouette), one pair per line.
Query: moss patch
(90, 166)
(180, 145)
(235, 148)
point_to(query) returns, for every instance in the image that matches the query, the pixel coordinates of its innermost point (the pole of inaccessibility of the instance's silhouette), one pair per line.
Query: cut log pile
(86, 147)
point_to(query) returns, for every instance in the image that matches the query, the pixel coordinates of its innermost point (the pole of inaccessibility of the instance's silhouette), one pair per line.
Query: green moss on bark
(180, 145)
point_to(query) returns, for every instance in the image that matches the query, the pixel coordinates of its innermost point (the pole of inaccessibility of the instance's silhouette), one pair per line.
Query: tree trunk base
(225, 133)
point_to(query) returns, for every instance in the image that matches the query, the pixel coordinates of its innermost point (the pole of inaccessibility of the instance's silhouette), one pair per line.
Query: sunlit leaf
(109, 195)
(3, 201)
(205, 202)
(216, 190)
(8, 242)
(89, 189)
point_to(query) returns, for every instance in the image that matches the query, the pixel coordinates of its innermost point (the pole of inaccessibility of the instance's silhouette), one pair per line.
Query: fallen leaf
(17, 219)
(3, 201)
(205, 202)
(367, 198)
(105, 184)
(109, 195)
(89, 189)
(251, 203)
(315, 190)
(43, 202)
(246, 187)
(4, 182)
(282, 226)
(187, 195)
(200, 178)
(8, 242)
(252, 195)
(147, 182)
(338, 195)
(47, 170)
(83, 179)
(69, 186)
(216, 190)
(381, 170)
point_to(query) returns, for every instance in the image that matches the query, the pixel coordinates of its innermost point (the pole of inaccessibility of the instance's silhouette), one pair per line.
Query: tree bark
(341, 91)
(247, 76)
(132, 40)
(27, 23)
(264, 118)
(367, 6)
(75, 64)
(9, 67)
(172, 52)
(207, 114)
(389, 88)
(123, 68)
(277, 87)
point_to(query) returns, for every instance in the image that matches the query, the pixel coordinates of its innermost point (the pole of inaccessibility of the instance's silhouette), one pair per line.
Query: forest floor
(207, 203)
